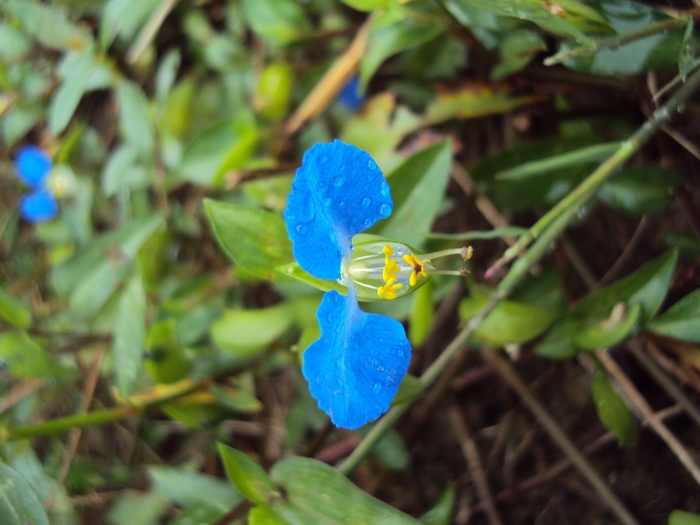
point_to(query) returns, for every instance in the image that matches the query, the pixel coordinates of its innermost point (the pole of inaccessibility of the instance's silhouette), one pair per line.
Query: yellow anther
(390, 266)
(418, 268)
(388, 291)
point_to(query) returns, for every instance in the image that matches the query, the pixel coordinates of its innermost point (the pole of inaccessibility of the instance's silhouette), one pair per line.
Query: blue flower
(33, 166)
(350, 96)
(355, 368)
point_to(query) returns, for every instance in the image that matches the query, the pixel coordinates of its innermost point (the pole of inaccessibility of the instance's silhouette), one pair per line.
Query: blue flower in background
(350, 96)
(33, 166)
(355, 368)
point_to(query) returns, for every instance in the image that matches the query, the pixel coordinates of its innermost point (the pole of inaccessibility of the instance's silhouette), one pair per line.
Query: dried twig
(471, 454)
(560, 438)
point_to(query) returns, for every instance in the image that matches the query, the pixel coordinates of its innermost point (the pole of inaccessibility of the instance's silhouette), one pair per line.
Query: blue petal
(33, 165)
(350, 96)
(338, 191)
(39, 206)
(355, 368)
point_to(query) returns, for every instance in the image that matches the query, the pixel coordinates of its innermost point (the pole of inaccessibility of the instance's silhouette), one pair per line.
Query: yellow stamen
(388, 291)
(418, 268)
(390, 266)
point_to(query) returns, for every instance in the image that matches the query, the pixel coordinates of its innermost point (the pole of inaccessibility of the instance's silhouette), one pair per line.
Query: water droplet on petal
(368, 223)
(338, 181)
(301, 229)
(323, 158)
(327, 202)
(366, 202)
(385, 210)
(399, 251)
(377, 388)
(341, 205)
(371, 164)
(400, 353)
(385, 188)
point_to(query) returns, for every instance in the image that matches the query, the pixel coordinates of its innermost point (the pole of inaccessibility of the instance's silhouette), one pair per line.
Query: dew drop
(341, 204)
(338, 181)
(366, 202)
(377, 388)
(327, 202)
(368, 223)
(371, 164)
(385, 188)
(399, 251)
(385, 210)
(323, 159)
(301, 229)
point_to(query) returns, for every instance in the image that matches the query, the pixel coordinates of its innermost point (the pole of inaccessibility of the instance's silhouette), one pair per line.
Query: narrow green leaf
(510, 322)
(681, 321)
(246, 332)
(608, 332)
(264, 515)
(255, 239)
(136, 509)
(23, 357)
(135, 122)
(313, 490)
(417, 188)
(68, 95)
(246, 475)
(19, 504)
(387, 40)
(441, 512)
(612, 411)
(680, 517)
(279, 22)
(642, 190)
(14, 311)
(183, 487)
(391, 451)
(129, 336)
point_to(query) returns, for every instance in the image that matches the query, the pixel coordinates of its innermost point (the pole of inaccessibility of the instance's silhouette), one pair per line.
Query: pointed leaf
(681, 321)
(19, 504)
(612, 411)
(247, 476)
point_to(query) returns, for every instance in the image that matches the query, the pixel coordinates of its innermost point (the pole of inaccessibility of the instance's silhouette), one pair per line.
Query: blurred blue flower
(33, 166)
(355, 368)
(350, 96)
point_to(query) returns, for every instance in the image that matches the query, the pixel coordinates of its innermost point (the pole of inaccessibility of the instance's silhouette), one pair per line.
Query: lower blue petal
(39, 206)
(33, 165)
(355, 368)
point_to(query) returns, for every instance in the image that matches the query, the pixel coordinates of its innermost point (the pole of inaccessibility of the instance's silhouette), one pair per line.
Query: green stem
(546, 230)
(589, 186)
(104, 416)
(616, 41)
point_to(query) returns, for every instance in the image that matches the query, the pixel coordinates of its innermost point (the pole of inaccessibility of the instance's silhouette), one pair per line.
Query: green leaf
(238, 400)
(441, 512)
(510, 322)
(313, 490)
(255, 239)
(409, 389)
(246, 475)
(71, 90)
(49, 25)
(278, 22)
(274, 91)
(417, 188)
(264, 515)
(165, 359)
(421, 315)
(246, 332)
(608, 332)
(124, 18)
(640, 190)
(517, 49)
(135, 122)
(687, 60)
(680, 517)
(202, 513)
(646, 287)
(166, 75)
(136, 509)
(224, 146)
(183, 487)
(384, 41)
(367, 5)
(19, 504)
(391, 451)
(533, 12)
(23, 357)
(612, 411)
(129, 336)
(681, 321)
(14, 311)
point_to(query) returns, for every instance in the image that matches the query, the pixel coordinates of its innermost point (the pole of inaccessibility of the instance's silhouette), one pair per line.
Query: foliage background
(150, 321)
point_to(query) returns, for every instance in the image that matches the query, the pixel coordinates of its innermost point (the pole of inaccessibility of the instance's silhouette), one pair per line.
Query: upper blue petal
(355, 368)
(38, 206)
(338, 191)
(33, 165)
(350, 96)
